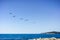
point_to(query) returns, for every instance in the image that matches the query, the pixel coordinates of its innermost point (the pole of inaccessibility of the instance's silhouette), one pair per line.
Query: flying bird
(14, 16)
(21, 18)
(10, 13)
(26, 20)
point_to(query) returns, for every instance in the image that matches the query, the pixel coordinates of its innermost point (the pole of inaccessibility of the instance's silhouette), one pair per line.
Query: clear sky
(29, 16)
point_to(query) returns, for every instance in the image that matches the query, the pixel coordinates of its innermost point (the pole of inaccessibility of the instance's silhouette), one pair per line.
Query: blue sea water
(29, 36)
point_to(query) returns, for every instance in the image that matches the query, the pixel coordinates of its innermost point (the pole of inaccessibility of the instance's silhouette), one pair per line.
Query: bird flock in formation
(19, 18)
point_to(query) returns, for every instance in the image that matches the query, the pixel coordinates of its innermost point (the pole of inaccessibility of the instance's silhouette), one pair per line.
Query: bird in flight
(21, 18)
(26, 20)
(10, 13)
(14, 16)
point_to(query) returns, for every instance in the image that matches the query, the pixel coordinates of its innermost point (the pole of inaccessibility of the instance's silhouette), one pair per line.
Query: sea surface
(27, 36)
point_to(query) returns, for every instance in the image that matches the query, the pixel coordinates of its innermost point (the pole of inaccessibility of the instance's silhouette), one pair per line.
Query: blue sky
(29, 16)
